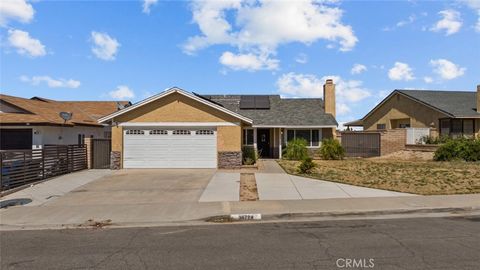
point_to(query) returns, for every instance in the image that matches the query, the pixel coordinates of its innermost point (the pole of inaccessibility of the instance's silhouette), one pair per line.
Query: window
(457, 126)
(381, 126)
(290, 135)
(81, 139)
(312, 136)
(403, 125)
(248, 137)
(181, 132)
(158, 132)
(468, 127)
(445, 127)
(135, 132)
(315, 137)
(303, 134)
(204, 132)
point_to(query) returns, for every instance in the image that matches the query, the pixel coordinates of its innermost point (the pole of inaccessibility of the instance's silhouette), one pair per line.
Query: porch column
(255, 139)
(280, 143)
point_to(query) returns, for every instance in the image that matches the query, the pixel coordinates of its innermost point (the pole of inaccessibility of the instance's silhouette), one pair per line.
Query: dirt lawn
(419, 177)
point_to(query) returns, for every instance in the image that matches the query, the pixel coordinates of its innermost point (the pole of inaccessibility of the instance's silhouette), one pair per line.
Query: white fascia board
(168, 92)
(279, 126)
(177, 124)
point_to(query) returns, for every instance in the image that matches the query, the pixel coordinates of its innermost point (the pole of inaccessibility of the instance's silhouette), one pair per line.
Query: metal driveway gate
(361, 144)
(101, 149)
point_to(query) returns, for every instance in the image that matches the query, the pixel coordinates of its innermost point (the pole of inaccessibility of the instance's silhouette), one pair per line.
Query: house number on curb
(246, 216)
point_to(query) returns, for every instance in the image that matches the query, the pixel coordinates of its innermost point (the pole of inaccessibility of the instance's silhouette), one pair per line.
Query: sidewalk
(194, 213)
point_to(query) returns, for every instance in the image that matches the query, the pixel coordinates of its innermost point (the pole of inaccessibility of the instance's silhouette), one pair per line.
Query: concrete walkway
(269, 166)
(223, 187)
(290, 187)
(54, 188)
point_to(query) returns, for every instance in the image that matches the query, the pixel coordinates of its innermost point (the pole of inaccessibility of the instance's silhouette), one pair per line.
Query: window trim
(244, 136)
(320, 136)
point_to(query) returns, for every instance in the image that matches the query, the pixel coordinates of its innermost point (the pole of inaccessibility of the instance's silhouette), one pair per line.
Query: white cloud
(259, 27)
(477, 26)
(25, 44)
(105, 47)
(342, 109)
(401, 72)
(301, 58)
(358, 68)
(122, 92)
(147, 4)
(248, 61)
(19, 10)
(446, 69)
(52, 83)
(308, 85)
(451, 22)
(428, 79)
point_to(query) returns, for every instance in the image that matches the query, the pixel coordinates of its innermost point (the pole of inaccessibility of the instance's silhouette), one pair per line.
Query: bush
(434, 140)
(307, 166)
(296, 149)
(332, 149)
(459, 149)
(249, 156)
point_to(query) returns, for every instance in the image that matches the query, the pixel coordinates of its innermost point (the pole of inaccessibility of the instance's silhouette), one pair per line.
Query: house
(451, 113)
(179, 129)
(32, 123)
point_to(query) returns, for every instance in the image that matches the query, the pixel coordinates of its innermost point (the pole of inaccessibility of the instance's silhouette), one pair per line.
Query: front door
(263, 142)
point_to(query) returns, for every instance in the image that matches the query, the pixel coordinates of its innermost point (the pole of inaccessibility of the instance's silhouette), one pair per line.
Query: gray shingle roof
(454, 103)
(282, 112)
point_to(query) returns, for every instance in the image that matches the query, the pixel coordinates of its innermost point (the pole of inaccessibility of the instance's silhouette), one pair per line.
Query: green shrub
(434, 140)
(249, 155)
(459, 149)
(307, 166)
(331, 149)
(296, 149)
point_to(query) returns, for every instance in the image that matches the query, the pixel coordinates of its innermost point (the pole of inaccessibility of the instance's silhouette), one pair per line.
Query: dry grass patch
(248, 187)
(420, 177)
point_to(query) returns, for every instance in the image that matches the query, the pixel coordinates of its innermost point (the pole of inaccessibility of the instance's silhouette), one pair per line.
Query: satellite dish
(66, 116)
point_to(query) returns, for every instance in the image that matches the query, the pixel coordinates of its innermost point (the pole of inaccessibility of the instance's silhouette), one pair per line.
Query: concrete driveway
(140, 186)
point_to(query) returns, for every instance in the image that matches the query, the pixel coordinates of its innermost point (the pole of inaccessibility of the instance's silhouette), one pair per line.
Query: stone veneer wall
(115, 160)
(229, 160)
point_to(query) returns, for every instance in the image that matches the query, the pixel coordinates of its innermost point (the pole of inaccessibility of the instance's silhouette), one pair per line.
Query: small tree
(331, 149)
(296, 149)
(307, 166)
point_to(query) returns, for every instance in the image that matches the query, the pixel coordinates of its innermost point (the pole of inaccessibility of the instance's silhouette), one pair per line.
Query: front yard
(419, 177)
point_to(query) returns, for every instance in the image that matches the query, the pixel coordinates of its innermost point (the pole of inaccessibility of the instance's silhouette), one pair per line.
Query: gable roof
(170, 91)
(455, 104)
(283, 112)
(46, 111)
(459, 104)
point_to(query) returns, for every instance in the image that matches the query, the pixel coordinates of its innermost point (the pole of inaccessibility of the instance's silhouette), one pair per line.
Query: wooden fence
(361, 144)
(20, 167)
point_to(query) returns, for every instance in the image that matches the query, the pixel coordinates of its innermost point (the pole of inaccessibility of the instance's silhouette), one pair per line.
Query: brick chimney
(329, 97)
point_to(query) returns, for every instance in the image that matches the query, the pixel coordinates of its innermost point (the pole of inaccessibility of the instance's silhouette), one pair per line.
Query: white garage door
(170, 148)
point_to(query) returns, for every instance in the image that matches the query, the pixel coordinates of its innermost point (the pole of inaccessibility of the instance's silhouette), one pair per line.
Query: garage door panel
(170, 151)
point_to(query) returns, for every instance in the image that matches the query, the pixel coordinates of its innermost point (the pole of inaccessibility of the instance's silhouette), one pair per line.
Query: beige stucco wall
(401, 107)
(178, 108)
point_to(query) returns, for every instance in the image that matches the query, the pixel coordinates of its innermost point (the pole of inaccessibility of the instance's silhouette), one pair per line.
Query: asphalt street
(416, 243)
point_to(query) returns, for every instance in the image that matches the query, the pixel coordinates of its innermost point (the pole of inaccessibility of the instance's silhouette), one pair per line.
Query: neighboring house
(179, 129)
(451, 113)
(32, 123)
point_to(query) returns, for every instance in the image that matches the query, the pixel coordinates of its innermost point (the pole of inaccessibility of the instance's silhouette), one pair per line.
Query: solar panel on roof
(247, 102)
(254, 102)
(262, 102)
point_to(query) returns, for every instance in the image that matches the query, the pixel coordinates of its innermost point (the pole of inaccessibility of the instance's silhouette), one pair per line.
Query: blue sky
(103, 50)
